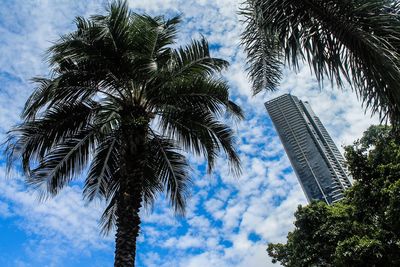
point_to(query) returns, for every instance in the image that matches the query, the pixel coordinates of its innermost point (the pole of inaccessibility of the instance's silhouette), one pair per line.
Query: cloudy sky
(229, 220)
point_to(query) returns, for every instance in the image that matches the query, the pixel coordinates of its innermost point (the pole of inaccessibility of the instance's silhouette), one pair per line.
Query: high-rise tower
(315, 158)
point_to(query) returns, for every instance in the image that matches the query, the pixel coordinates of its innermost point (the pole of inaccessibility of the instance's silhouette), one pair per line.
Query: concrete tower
(316, 160)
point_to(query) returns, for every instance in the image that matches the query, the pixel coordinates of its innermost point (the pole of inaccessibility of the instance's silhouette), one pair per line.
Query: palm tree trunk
(128, 223)
(130, 192)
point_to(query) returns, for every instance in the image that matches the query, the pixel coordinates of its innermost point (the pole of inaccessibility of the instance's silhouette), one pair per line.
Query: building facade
(316, 160)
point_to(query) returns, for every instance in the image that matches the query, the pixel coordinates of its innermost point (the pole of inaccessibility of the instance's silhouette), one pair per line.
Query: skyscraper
(316, 160)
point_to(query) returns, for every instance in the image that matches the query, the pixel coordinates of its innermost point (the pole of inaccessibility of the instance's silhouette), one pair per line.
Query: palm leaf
(32, 139)
(264, 56)
(103, 167)
(62, 163)
(343, 41)
(198, 93)
(199, 132)
(171, 170)
(195, 59)
(108, 218)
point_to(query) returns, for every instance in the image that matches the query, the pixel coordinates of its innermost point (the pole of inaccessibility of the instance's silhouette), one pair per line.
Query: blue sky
(229, 220)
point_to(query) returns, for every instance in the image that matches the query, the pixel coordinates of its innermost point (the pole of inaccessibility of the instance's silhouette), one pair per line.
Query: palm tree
(123, 107)
(354, 41)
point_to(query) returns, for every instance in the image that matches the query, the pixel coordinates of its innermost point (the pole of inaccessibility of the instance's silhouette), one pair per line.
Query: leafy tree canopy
(361, 230)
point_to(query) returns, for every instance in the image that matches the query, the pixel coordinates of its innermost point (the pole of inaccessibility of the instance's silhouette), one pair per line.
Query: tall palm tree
(355, 41)
(123, 107)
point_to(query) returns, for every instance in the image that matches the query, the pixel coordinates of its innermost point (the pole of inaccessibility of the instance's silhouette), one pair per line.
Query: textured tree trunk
(131, 191)
(128, 225)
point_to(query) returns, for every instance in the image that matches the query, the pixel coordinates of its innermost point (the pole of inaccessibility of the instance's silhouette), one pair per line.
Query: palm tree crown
(124, 107)
(356, 41)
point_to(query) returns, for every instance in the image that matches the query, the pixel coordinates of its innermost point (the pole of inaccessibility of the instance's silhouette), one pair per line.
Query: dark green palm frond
(67, 89)
(84, 81)
(82, 25)
(59, 91)
(108, 117)
(118, 24)
(264, 56)
(194, 59)
(108, 218)
(152, 184)
(354, 41)
(103, 167)
(166, 38)
(153, 40)
(234, 110)
(31, 140)
(171, 170)
(188, 67)
(159, 32)
(199, 93)
(224, 136)
(199, 132)
(62, 163)
(115, 49)
(150, 41)
(146, 34)
(90, 49)
(98, 39)
(177, 124)
(39, 97)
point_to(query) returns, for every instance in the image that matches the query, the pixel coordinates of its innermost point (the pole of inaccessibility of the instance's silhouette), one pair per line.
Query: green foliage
(360, 251)
(361, 230)
(354, 41)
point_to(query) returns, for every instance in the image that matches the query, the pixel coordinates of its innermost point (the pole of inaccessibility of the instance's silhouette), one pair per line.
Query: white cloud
(4, 210)
(184, 242)
(59, 227)
(65, 214)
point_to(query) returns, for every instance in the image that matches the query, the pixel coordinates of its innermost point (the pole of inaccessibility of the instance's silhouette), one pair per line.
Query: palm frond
(68, 88)
(166, 38)
(264, 56)
(103, 167)
(199, 132)
(152, 184)
(118, 23)
(96, 53)
(342, 41)
(194, 59)
(108, 117)
(196, 93)
(31, 140)
(108, 218)
(39, 97)
(62, 163)
(160, 33)
(171, 170)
